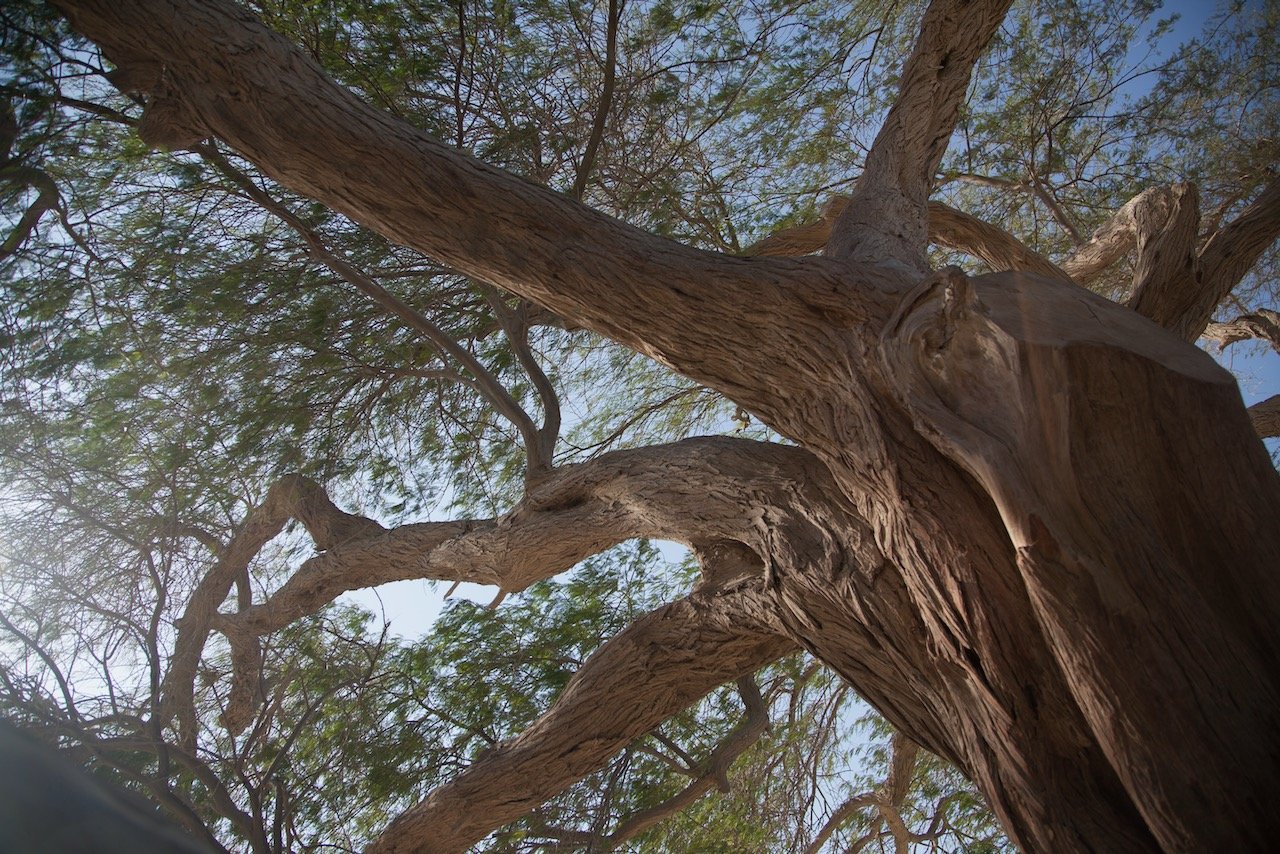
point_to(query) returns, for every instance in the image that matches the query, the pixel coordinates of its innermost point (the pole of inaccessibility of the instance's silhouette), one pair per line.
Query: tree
(1024, 521)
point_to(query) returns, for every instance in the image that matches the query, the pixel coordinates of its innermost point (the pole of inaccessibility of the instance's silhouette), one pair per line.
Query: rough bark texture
(1266, 417)
(1263, 324)
(656, 668)
(885, 221)
(948, 227)
(1035, 529)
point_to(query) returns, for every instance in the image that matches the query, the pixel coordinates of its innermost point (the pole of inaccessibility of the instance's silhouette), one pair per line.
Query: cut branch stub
(1016, 378)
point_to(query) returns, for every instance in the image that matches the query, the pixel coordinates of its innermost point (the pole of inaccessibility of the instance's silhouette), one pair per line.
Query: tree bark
(656, 668)
(1016, 558)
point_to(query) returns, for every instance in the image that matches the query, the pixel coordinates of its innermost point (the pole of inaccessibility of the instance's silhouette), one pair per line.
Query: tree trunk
(1049, 551)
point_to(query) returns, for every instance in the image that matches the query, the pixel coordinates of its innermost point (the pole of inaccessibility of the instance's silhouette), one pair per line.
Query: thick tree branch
(1166, 253)
(664, 662)
(691, 491)
(886, 221)
(1043, 377)
(703, 492)
(1111, 240)
(264, 97)
(1229, 253)
(1176, 285)
(290, 498)
(997, 248)
(1263, 325)
(948, 227)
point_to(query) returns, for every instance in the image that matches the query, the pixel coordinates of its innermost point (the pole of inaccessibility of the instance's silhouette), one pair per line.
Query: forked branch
(704, 492)
(291, 498)
(886, 221)
(948, 227)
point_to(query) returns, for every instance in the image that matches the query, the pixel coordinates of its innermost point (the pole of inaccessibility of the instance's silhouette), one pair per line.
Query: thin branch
(715, 768)
(515, 324)
(262, 95)
(605, 103)
(485, 382)
(47, 199)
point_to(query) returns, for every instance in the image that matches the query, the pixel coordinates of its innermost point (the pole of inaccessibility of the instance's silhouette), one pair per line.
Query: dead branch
(1175, 284)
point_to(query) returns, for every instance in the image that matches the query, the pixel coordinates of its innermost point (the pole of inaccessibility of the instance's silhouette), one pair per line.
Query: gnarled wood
(1007, 542)
(1263, 324)
(998, 379)
(1114, 238)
